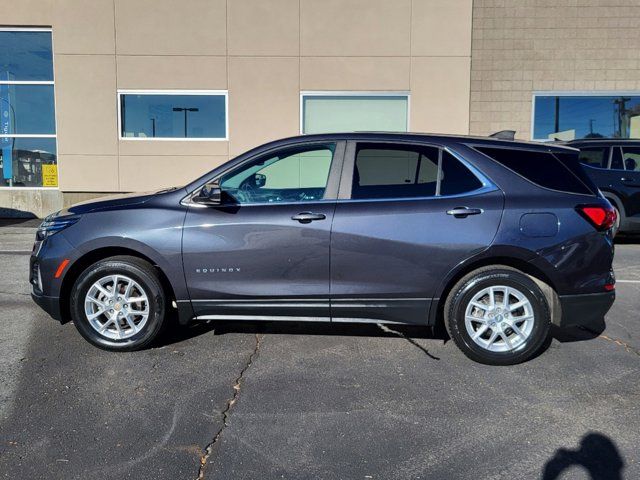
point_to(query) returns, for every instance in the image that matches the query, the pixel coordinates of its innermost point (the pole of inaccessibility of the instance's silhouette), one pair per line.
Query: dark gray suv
(496, 239)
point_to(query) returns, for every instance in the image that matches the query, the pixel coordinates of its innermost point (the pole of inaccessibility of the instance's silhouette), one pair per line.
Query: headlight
(53, 224)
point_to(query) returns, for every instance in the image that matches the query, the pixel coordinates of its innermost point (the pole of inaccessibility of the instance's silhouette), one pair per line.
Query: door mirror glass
(210, 194)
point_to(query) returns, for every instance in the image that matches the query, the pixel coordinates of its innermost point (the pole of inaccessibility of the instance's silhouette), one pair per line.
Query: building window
(328, 112)
(174, 115)
(27, 109)
(567, 116)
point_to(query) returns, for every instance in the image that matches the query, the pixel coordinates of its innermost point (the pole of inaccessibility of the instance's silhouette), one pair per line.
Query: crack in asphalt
(226, 413)
(625, 345)
(386, 329)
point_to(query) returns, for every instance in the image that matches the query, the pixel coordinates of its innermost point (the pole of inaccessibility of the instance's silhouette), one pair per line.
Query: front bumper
(51, 305)
(585, 310)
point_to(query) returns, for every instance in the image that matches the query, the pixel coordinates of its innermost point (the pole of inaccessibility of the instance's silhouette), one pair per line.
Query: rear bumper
(51, 305)
(585, 310)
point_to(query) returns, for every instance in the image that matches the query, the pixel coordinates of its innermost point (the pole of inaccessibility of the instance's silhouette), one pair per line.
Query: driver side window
(292, 175)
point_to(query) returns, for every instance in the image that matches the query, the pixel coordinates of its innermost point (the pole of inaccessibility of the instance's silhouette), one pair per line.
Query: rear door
(406, 215)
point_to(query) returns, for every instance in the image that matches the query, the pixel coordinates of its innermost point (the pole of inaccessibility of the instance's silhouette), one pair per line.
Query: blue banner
(6, 143)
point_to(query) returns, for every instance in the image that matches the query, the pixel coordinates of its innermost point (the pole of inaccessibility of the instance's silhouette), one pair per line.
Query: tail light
(601, 217)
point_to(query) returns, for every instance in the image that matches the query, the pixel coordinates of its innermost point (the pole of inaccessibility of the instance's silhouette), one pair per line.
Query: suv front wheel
(118, 304)
(497, 315)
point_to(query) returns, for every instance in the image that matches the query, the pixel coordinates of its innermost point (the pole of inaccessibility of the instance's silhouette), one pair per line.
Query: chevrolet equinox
(496, 239)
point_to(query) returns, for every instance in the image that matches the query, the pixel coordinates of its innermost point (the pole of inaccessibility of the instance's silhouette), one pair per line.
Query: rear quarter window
(595, 157)
(559, 171)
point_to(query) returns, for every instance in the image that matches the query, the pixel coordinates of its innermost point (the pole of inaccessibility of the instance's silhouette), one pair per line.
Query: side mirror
(210, 194)
(260, 179)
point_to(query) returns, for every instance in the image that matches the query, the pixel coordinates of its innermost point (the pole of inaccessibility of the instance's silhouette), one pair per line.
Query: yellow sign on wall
(49, 175)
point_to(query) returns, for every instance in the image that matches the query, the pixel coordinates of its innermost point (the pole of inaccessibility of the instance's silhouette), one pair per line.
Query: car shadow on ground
(222, 327)
(409, 332)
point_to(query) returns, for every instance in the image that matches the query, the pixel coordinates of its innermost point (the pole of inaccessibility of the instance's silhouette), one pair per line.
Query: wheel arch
(546, 284)
(93, 256)
(619, 204)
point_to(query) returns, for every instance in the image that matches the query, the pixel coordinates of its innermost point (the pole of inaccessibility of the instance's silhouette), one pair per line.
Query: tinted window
(631, 158)
(292, 175)
(456, 178)
(616, 159)
(173, 116)
(387, 171)
(395, 171)
(541, 168)
(595, 157)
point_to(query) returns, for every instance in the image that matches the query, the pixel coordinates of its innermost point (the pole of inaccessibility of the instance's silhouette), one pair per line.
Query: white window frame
(571, 93)
(357, 93)
(55, 109)
(225, 93)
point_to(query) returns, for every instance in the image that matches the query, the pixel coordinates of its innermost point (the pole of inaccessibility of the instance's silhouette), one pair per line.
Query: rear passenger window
(398, 171)
(456, 178)
(542, 168)
(631, 158)
(595, 157)
(616, 159)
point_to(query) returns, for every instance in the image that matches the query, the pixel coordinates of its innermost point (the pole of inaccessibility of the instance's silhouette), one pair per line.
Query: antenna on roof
(504, 135)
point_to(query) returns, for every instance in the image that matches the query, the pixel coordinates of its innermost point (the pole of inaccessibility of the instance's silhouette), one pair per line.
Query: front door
(413, 213)
(264, 253)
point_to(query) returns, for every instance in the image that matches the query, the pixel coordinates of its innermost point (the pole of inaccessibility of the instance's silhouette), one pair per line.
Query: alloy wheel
(499, 318)
(116, 307)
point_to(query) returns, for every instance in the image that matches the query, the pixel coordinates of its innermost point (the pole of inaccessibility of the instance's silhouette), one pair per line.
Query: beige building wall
(520, 47)
(263, 53)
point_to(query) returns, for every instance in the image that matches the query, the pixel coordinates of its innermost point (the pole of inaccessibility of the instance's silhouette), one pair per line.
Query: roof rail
(504, 135)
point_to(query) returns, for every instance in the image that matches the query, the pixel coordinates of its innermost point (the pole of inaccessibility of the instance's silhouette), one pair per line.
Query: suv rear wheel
(118, 304)
(497, 315)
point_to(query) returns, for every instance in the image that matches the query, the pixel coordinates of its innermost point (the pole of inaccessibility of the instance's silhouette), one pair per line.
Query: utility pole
(185, 110)
(621, 103)
(556, 127)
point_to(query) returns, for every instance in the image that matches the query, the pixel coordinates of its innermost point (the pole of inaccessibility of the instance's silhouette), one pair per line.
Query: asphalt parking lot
(267, 401)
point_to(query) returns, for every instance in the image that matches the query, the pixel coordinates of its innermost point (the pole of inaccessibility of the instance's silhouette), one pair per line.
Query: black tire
(494, 275)
(146, 277)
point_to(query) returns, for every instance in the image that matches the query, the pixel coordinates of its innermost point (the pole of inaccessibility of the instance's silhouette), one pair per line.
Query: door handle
(464, 212)
(630, 182)
(308, 217)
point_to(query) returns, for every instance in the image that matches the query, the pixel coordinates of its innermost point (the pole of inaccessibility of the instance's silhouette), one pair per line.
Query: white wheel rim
(116, 307)
(499, 319)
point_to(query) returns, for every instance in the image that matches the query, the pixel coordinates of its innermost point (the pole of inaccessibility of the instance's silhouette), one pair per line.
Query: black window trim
(346, 181)
(535, 150)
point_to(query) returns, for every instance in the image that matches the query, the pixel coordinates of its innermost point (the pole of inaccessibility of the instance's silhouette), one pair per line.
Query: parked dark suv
(497, 239)
(614, 166)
